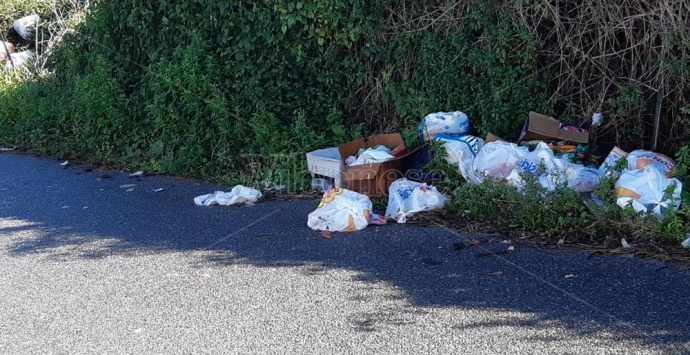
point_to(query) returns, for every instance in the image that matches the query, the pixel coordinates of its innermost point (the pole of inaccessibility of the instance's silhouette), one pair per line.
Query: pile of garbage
(25, 28)
(555, 155)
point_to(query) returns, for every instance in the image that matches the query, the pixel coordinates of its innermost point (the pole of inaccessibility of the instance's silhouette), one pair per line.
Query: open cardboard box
(543, 127)
(373, 179)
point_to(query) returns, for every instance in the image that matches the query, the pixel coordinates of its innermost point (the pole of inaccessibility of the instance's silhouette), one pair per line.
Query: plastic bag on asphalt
(462, 151)
(498, 159)
(341, 210)
(648, 190)
(237, 196)
(408, 197)
(26, 26)
(638, 159)
(451, 123)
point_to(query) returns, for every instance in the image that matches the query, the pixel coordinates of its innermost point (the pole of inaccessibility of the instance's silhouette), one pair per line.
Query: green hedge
(218, 89)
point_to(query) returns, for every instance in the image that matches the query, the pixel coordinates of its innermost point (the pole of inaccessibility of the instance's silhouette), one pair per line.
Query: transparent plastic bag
(462, 152)
(26, 26)
(239, 195)
(648, 190)
(341, 210)
(408, 197)
(498, 159)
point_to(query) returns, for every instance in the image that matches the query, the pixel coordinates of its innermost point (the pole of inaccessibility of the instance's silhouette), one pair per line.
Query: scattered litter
(569, 276)
(408, 197)
(237, 196)
(341, 210)
(6, 48)
(506, 241)
(131, 189)
(65, 163)
(377, 219)
(560, 242)
(158, 189)
(64, 207)
(20, 60)
(597, 118)
(136, 174)
(321, 184)
(448, 123)
(26, 26)
(625, 243)
(326, 162)
(582, 179)
(127, 186)
(648, 190)
(511, 248)
(639, 159)
(85, 208)
(686, 242)
(8, 149)
(326, 235)
(496, 273)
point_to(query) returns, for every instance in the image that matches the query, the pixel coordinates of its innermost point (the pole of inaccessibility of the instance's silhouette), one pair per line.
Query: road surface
(91, 264)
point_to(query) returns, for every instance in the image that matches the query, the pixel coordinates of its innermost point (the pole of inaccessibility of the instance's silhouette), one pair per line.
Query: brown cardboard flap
(350, 148)
(361, 172)
(543, 127)
(389, 140)
(492, 138)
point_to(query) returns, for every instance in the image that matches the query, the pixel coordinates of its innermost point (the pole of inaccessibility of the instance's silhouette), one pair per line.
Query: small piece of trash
(496, 273)
(569, 276)
(131, 189)
(137, 174)
(64, 163)
(127, 186)
(511, 248)
(506, 241)
(561, 242)
(85, 207)
(686, 242)
(64, 207)
(158, 189)
(625, 243)
(326, 235)
(3, 149)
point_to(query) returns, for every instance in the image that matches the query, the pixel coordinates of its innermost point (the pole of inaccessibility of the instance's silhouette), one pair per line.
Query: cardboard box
(326, 162)
(373, 179)
(542, 127)
(492, 138)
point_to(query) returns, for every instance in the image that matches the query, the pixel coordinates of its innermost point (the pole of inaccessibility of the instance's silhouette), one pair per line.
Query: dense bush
(214, 88)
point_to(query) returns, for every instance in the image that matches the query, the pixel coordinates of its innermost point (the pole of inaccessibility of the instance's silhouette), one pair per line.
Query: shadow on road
(65, 214)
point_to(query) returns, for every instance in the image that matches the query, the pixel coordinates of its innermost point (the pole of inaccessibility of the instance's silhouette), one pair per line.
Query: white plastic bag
(374, 155)
(341, 210)
(638, 159)
(498, 159)
(581, 178)
(237, 196)
(20, 60)
(452, 123)
(645, 189)
(405, 198)
(616, 154)
(26, 26)
(462, 152)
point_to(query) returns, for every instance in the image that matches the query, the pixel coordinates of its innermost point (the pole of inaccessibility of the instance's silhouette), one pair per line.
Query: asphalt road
(88, 265)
